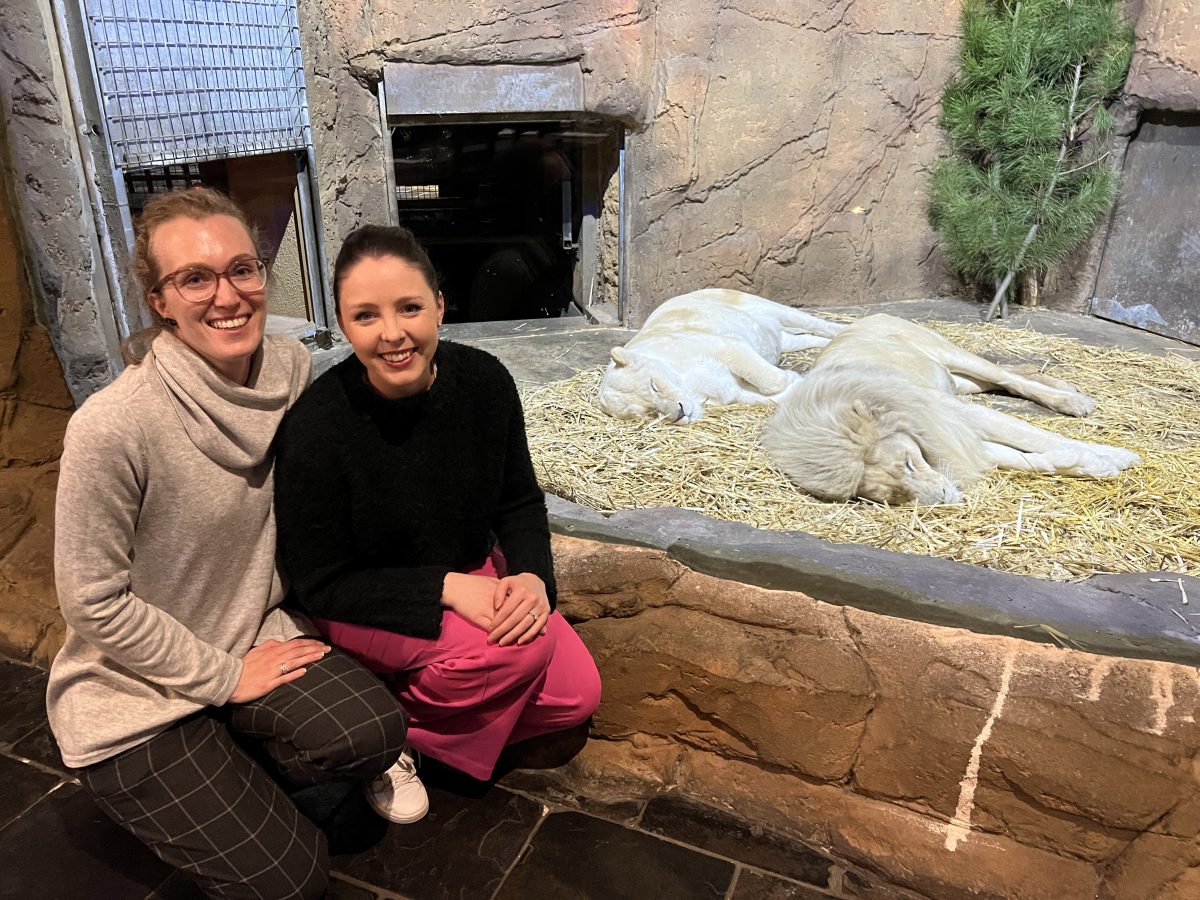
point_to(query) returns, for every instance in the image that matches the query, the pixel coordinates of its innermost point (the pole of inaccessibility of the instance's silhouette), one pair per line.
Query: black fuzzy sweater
(377, 500)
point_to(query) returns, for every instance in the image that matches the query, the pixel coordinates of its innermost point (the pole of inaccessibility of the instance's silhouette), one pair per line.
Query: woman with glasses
(189, 702)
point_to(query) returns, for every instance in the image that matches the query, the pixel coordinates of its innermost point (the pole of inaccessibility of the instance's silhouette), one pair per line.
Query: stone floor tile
(22, 700)
(344, 890)
(40, 746)
(21, 786)
(578, 857)
(177, 887)
(718, 832)
(859, 885)
(755, 886)
(66, 848)
(462, 848)
(544, 787)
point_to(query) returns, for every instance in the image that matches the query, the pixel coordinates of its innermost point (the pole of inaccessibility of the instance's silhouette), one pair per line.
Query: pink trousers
(467, 699)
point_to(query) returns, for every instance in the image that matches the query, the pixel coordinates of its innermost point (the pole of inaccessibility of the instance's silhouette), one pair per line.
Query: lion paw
(1075, 403)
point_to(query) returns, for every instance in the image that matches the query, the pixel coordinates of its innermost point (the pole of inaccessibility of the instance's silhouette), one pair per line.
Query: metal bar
(326, 293)
(389, 159)
(622, 238)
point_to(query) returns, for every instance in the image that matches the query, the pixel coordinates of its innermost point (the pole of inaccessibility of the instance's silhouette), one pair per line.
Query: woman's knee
(359, 729)
(524, 662)
(588, 689)
(368, 735)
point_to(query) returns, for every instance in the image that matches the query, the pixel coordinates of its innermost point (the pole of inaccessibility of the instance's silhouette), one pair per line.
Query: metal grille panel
(191, 80)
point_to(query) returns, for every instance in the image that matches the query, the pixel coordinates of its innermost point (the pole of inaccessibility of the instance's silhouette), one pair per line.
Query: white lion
(709, 346)
(877, 416)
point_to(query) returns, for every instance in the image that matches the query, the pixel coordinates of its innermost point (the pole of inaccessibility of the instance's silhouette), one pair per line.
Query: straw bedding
(1055, 527)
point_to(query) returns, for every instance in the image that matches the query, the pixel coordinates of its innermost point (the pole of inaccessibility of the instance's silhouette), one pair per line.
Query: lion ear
(619, 356)
(862, 410)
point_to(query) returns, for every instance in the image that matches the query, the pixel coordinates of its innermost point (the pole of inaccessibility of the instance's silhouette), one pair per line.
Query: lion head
(637, 386)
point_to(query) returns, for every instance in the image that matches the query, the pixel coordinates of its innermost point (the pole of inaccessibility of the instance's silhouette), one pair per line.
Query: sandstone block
(865, 831)
(1061, 723)
(27, 634)
(29, 567)
(39, 375)
(1165, 71)
(33, 434)
(609, 579)
(15, 515)
(735, 689)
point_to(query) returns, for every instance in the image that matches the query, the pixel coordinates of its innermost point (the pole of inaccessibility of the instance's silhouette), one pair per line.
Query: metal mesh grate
(190, 80)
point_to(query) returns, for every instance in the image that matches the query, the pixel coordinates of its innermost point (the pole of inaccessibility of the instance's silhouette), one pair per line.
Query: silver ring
(533, 615)
(283, 669)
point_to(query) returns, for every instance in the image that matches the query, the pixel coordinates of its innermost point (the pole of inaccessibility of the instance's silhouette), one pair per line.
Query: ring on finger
(283, 668)
(533, 615)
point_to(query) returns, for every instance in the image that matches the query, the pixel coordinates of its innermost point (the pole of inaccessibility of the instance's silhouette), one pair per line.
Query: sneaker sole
(392, 817)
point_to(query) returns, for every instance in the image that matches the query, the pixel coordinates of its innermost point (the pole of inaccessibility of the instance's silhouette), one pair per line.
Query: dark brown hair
(376, 242)
(187, 203)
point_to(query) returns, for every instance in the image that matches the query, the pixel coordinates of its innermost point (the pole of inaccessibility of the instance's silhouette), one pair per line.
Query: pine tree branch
(1068, 138)
(1089, 163)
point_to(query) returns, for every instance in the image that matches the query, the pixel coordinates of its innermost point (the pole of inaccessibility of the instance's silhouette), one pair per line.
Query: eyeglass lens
(201, 284)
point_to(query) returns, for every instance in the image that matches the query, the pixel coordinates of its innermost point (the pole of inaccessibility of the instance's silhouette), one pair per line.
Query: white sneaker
(398, 794)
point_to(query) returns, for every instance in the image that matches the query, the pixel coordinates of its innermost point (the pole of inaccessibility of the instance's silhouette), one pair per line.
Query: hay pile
(1055, 527)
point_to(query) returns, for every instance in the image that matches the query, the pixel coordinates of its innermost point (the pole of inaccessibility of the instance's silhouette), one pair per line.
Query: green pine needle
(1018, 158)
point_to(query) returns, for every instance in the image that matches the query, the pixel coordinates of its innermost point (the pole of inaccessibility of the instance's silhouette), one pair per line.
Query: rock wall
(1165, 72)
(34, 408)
(951, 764)
(772, 146)
(48, 187)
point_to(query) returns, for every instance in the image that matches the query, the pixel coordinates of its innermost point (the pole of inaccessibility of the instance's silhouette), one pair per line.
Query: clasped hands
(513, 609)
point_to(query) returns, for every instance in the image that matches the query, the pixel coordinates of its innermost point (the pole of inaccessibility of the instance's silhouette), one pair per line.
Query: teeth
(398, 356)
(230, 323)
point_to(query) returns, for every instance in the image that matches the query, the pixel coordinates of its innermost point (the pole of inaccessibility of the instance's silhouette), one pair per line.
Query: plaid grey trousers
(202, 804)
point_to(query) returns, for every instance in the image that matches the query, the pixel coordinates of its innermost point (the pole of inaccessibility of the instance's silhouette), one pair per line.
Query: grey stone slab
(583, 858)
(420, 89)
(754, 886)
(538, 358)
(21, 786)
(1168, 592)
(1151, 263)
(462, 848)
(65, 847)
(547, 789)
(923, 589)
(722, 834)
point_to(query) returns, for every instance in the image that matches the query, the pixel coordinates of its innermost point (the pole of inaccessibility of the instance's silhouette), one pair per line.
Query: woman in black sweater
(412, 527)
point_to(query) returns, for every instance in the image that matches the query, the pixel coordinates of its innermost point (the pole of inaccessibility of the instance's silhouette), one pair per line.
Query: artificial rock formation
(43, 147)
(953, 764)
(771, 146)
(34, 408)
(1165, 72)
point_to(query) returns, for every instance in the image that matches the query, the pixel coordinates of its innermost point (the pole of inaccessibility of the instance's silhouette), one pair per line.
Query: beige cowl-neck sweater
(164, 554)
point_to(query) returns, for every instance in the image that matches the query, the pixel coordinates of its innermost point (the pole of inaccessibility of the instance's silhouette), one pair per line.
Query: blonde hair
(186, 203)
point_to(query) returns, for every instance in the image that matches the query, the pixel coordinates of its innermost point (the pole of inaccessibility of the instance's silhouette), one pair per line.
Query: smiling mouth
(228, 324)
(398, 356)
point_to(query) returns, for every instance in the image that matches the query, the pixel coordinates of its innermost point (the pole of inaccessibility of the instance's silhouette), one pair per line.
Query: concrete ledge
(1131, 617)
(417, 89)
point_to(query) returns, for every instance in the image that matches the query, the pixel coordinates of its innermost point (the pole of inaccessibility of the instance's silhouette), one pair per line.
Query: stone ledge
(954, 764)
(1129, 621)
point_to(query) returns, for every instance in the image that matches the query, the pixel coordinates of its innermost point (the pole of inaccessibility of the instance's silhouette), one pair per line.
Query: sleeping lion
(877, 416)
(709, 346)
